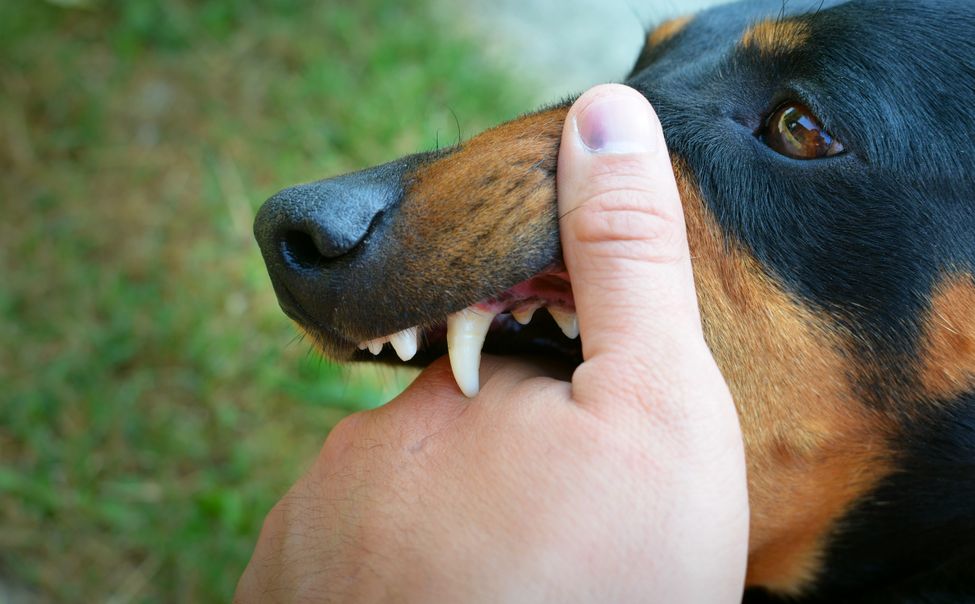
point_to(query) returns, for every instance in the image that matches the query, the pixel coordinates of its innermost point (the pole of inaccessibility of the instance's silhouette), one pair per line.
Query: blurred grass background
(154, 402)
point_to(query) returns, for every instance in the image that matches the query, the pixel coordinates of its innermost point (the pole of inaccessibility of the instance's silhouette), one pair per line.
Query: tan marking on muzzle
(475, 213)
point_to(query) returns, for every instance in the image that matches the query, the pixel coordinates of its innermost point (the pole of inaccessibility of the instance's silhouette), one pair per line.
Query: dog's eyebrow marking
(667, 30)
(947, 359)
(775, 36)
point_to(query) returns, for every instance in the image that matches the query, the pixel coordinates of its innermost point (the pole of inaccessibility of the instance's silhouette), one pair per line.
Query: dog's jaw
(467, 329)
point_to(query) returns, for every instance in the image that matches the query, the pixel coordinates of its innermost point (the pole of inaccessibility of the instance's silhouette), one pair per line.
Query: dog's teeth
(362, 345)
(466, 331)
(376, 346)
(568, 321)
(524, 315)
(405, 343)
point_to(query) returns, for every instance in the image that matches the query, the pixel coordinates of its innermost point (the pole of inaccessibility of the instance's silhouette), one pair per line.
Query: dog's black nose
(306, 233)
(307, 226)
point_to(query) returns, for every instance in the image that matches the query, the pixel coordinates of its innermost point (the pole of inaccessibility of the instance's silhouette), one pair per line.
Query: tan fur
(812, 448)
(505, 178)
(667, 30)
(948, 354)
(776, 37)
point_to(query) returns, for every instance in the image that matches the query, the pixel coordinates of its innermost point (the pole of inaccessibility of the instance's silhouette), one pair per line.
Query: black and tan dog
(825, 154)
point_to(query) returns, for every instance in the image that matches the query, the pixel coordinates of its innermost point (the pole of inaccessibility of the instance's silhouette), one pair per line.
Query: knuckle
(434, 386)
(658, 394)
(347, 426)
(624, 223)
(342, 436)
(275, 521)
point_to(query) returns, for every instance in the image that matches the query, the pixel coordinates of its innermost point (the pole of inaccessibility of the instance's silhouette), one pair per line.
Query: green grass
(154, 402)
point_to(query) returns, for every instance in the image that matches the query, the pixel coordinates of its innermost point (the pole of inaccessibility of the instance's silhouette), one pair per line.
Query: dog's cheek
(813, 448)
(484, 217)
(947, 358)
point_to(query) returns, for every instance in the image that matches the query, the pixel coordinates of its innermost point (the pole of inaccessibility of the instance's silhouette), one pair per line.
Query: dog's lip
(321, 333)
(549, 289)
(533, 317)
(505, 337)
(501, 322)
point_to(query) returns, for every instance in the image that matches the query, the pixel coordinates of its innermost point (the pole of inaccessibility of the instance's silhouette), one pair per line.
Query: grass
(154, 402)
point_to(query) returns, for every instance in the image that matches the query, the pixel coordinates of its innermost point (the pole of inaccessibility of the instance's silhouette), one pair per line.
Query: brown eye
(794, 131)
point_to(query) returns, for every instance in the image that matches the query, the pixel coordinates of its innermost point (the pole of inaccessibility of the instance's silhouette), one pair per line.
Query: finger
(623, 237)
(433, 400)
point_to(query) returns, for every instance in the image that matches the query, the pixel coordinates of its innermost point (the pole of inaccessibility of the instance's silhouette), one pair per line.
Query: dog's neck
(914, 536)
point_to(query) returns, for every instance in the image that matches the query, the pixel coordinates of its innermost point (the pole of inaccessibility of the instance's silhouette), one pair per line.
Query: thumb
(625, 245)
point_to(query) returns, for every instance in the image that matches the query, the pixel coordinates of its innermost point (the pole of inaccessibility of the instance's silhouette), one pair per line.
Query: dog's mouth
(423, 252)
(536, 316)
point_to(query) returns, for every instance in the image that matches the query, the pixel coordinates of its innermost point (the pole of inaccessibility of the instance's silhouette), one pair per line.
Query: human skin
(623, 483)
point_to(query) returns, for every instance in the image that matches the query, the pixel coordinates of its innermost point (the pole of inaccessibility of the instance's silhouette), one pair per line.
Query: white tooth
(363, 345)
(524, 315)
(376, 346)
(405, 343)
(465, 337)
(568, 321)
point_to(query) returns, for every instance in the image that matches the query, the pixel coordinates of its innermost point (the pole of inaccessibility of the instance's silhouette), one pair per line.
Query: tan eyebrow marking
(774, 36)
(668, 29)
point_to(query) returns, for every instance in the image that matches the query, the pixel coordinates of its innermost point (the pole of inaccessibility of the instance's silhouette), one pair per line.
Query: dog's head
(824, 152)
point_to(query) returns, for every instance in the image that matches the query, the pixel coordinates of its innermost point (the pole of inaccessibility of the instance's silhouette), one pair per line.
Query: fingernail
(618, 124)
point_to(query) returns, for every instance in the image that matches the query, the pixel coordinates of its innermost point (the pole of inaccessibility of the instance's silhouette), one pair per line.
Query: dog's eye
(795, 131)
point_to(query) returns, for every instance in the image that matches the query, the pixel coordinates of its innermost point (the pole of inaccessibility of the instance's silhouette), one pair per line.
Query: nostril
(309, 228)
(299, 250)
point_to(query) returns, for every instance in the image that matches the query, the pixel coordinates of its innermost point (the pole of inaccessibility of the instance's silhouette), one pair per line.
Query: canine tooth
(524, 315)
(568, 321)
(465, 337)
(405, 343)
(376, 346)
(362, 345)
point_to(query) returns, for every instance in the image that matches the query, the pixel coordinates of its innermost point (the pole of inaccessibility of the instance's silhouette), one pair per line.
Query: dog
(824, 154)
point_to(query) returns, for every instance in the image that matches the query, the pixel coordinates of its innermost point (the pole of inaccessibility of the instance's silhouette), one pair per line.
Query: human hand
(625, 484)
